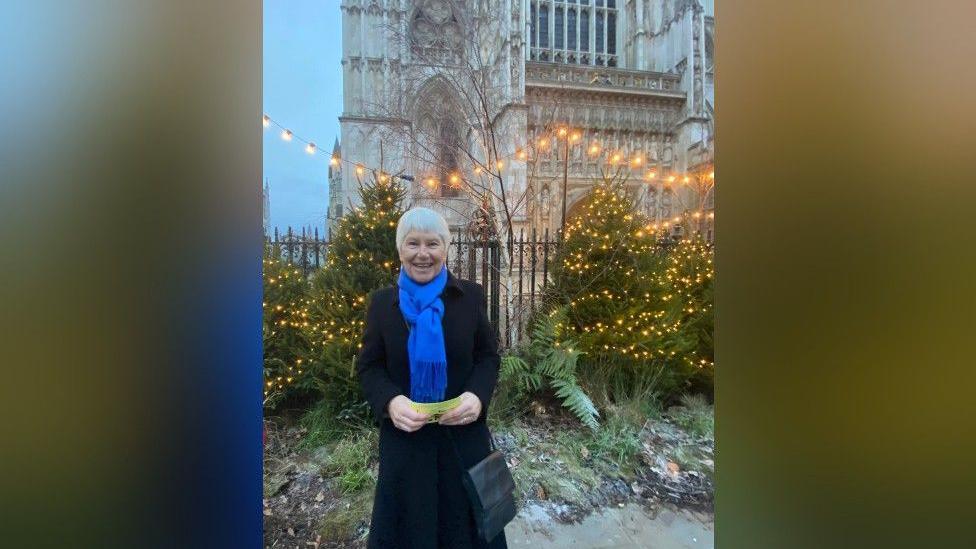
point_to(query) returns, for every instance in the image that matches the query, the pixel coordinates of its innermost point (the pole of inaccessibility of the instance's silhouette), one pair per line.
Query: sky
(303, 92)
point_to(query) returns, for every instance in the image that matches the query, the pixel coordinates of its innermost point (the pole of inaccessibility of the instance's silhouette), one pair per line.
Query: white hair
(424, 220)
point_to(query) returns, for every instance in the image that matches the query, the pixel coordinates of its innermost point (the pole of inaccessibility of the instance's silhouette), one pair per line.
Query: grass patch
(521, 435)
(343, 521)
(615, 447)
(321, 427)
(507, 404)
(695, 416)
(324, 424)
(350, 462)
(556, 466)
(634, 411)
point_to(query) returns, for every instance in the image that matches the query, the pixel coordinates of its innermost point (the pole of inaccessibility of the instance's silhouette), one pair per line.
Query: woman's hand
(404, 416)
(466, 412)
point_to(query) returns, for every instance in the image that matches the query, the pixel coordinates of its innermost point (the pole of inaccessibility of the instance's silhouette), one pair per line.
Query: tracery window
(435, 32)
(580, 32)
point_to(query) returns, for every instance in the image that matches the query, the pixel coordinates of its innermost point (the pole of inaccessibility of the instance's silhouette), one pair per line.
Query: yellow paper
(436, 409)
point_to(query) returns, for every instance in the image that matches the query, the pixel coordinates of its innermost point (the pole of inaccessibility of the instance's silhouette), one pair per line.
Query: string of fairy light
(641, 238)
(595, 150)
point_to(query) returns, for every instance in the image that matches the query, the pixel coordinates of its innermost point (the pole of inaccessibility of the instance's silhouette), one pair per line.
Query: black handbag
(491, 490)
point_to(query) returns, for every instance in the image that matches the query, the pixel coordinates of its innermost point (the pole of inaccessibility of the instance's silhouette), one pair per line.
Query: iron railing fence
(515, 278)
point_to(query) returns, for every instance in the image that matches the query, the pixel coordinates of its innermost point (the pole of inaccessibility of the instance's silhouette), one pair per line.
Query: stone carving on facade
(483, 227)
(515, 57)
(544, 203)
(435, 32)
(438, 11)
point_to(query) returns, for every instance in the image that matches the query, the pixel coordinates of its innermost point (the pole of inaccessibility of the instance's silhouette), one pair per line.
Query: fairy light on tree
(629, 295)
(362, 258)
(284, 314)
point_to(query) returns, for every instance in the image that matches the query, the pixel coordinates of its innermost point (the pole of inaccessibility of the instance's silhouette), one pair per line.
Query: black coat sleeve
(371, 364)
(484, 375)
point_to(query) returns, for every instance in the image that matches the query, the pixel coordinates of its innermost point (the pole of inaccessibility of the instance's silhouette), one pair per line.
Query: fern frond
(516, 370)
(574, 398)
(512, 366)
(560, 362)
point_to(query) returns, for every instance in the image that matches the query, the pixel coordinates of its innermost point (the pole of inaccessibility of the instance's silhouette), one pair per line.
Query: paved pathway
(627, 527)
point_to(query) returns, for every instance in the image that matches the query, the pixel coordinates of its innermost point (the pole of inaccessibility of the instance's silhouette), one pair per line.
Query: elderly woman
(427, 340)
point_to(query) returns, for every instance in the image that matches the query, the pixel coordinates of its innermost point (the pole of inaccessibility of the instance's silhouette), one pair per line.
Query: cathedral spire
(336, 153)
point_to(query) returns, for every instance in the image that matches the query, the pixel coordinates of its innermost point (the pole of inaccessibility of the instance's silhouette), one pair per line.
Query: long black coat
(420, 502)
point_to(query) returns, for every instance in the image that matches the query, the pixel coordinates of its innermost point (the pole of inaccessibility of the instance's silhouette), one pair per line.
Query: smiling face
(422, 255)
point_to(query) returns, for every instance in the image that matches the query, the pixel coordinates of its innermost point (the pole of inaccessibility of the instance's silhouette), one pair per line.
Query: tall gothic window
(584, 29)
(439, 131)
(544, 26)
(600, 25)
(560, 25)
(574, 31)
(447, 158)
(533, 26)
(571, 29)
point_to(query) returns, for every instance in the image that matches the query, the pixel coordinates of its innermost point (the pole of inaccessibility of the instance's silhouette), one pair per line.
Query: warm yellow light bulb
(359, 170)
(266, 120)
(499, 164)
(671, 179)
(310, 148)
(477, 169)
(286, 135)
(334, 161)
(637, 161)
(594, 148)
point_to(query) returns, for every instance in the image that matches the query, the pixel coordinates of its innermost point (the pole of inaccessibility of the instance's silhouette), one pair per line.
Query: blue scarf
(423, 309)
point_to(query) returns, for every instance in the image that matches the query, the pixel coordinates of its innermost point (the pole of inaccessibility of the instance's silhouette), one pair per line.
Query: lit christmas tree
(362, 257)
(625, 293)
(690, 275)
(283, 329)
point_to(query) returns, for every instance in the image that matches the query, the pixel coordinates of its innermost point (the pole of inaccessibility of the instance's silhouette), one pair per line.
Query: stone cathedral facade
(635, 77)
